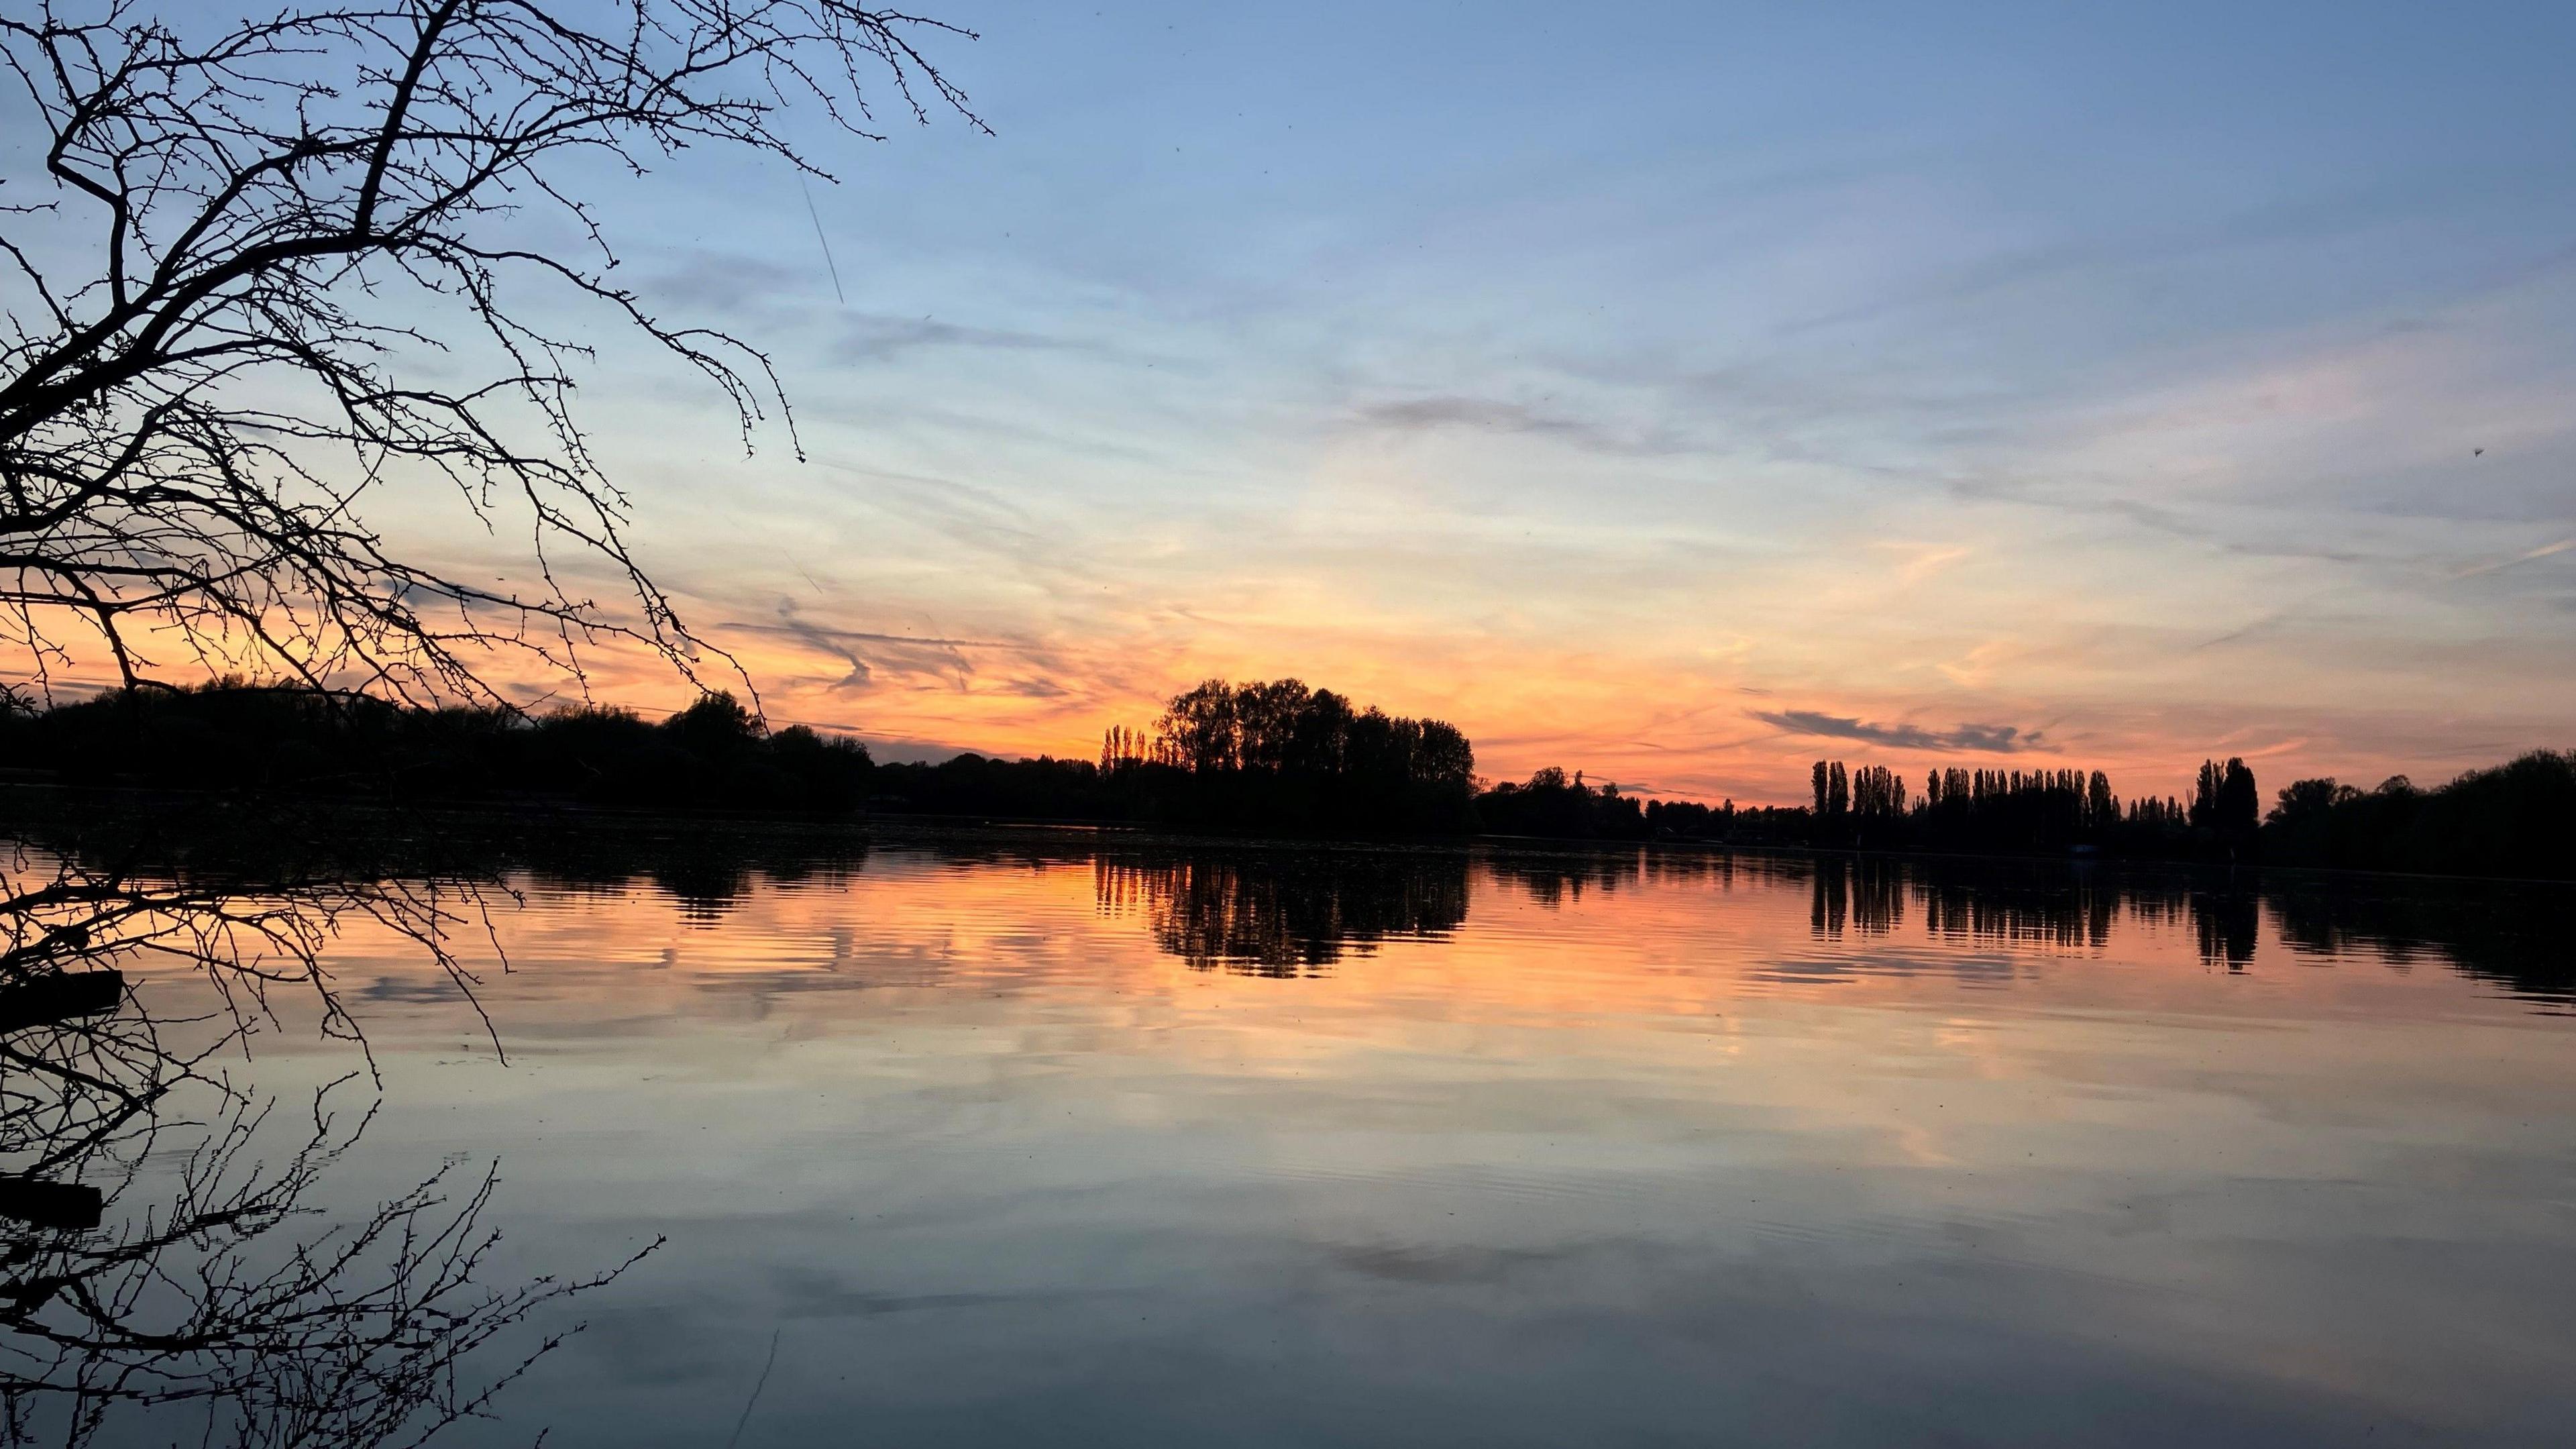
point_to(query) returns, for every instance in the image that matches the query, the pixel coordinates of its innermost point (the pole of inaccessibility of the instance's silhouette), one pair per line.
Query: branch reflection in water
(916, 1094)
(165, 1272)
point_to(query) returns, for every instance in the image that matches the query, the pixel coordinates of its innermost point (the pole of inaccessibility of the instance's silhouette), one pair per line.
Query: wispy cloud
(869, 655)
(877, 338)
(2527, 556)
(1920, 561)
(725, 282)
(1448, 411)
(1978, 738)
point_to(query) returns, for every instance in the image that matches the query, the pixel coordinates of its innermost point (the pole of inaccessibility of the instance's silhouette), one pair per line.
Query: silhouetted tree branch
(309, 277)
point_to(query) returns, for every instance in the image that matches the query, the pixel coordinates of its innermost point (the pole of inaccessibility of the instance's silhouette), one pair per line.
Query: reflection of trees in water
(1284, 913)
(2079, 915)
(1290, 911)
(707, 870)
(1555, 881)
(2227, 921)
(1561, 879)
(2511, 933)
(163, 1273)
(368, 858)
(2014, 903)
(1867, 892)
(1280, 907)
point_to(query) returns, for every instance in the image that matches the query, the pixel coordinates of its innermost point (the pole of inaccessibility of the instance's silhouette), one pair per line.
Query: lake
(999, 1138)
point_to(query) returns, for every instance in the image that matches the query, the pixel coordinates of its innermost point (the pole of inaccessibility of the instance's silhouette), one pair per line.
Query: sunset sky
(1674, 394)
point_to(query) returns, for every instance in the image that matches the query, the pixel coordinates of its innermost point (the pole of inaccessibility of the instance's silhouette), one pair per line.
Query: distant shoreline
(548, 817)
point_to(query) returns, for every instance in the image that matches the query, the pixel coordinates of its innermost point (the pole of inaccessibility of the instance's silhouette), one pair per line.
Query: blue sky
(1676, 393)
(1623, 384)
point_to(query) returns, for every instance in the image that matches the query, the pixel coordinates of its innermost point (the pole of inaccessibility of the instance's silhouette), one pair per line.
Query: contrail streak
(823, 241)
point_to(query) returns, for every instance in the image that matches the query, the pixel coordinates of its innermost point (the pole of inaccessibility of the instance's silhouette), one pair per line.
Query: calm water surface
(1016, 1140)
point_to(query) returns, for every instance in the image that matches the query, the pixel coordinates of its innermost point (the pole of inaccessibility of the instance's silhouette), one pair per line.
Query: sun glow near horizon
(2153, 388)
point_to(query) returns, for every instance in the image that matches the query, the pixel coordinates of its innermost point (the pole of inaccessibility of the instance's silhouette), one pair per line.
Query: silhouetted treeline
(2516, 819)
(1553, 805)
(1869, 807)
(230, 736)
(2021, 812)
(1268, 755)
(1296, 911)
(1557, 806)
(1264, 755)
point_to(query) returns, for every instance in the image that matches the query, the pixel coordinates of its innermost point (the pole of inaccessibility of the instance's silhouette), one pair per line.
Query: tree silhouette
(714, 755)
(2226, 803)
(315, 277)
(1274, 754)
(2515, 819)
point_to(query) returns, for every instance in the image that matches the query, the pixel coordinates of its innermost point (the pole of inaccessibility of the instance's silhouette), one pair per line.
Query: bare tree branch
(292, 213)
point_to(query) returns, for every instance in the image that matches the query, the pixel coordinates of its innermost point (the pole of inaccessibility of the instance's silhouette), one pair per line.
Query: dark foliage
(1045, 788)
(1868, 807)
(1552, 805)
(1263, 756)
(1270, 755)
(2512, 820)
(1280, 753)
(1267, 755)
(712, 755)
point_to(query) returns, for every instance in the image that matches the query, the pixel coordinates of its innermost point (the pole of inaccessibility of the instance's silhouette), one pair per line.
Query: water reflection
(706, 870)
(1867, 893)
(2227, 922)
(1286, 913)
(2505, 932)
(2508, 934)
(1558, 881)
(1279, 914)
(1289, 911)
(981, 1137)
(161, 1275)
